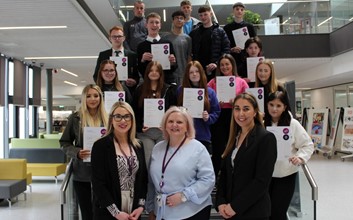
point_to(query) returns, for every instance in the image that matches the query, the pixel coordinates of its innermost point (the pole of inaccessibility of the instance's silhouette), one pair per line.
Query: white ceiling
(81, 38)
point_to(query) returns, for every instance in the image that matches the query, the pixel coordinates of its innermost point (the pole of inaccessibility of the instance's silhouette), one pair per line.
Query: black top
(144, 47)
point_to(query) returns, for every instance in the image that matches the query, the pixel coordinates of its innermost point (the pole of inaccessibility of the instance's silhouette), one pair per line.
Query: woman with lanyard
(119, 173)
(90, 114)
(174, 191)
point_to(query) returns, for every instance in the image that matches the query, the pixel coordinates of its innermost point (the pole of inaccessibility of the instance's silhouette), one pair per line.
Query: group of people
(171, 170)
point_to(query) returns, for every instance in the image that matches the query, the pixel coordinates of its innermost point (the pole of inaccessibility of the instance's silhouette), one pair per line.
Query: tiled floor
(333, 177)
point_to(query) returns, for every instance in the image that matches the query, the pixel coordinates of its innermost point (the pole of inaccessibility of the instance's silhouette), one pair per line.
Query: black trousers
(83, 192)
(281, 193)
(219, 137)
(205, 213)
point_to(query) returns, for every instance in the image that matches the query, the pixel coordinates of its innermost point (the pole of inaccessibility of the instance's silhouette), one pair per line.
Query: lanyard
(164, 165)
(130, 162)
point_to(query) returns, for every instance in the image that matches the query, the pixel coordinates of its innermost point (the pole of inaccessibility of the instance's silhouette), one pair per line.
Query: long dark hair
(286, 117)
(146, 89)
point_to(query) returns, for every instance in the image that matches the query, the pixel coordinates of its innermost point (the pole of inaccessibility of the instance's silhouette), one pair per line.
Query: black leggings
(84, 197)
(281, 193)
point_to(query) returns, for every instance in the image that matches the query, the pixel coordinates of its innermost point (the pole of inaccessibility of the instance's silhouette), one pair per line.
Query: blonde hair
(132, 132)
(235, 128)
(190, 133)
(87, 120)
(272, 81)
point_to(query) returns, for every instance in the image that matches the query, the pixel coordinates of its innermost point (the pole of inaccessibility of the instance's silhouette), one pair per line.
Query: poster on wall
(347, 134)
(333, 129)
(317, 126)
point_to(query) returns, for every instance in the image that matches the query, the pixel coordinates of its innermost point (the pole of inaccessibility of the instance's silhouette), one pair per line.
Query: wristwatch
(183, 197)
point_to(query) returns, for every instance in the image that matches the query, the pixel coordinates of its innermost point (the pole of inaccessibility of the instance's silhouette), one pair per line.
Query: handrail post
(314, 187)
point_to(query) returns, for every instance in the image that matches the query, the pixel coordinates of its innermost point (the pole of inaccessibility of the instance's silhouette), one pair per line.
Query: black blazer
(132, 63)
(105, 178)
(246, 185)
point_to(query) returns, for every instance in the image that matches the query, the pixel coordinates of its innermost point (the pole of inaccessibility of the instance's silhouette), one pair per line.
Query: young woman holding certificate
(119, 173)
(220, 130)
(153, 87)
(90, 114)
(283, 180)
(181, 172)
(108, 80)
(195, 77)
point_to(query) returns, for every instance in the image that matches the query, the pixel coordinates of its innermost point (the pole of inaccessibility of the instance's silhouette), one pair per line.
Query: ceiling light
(164, 16)
(70, 83)
(73, 74)
(31, 27)
(324, 21)
(58, 58)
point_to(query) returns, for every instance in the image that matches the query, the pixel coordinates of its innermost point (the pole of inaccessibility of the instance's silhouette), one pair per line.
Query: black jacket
(246, 185)
(105, 178)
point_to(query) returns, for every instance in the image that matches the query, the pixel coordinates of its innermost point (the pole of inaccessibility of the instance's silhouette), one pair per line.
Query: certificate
(283, 136)
(193, 101)
(110, 97)
(225, 88)
(240, 36)
(153, 112)
(161, 54)
(251, 63)
(259, 95)
(90, 135)
(121, 67)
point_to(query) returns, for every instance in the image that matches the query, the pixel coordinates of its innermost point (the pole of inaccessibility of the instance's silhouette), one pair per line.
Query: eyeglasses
(119, 117)
(110, 71)
(117, 36)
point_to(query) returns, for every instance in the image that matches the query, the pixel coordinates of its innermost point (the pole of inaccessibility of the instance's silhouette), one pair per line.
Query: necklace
(164, 164)
(130, 161)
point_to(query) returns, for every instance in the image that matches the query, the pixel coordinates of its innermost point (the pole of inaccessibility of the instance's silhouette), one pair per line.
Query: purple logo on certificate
(160, 105)
(103, 131)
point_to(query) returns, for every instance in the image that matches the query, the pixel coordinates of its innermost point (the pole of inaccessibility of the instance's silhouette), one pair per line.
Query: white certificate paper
(240, 36)
(193, 101)
(283, 136)
(121, 67)
(90, 135)
(161, 54)
(251, 63)
(153, 112)
(225, 88)
(259, 95)
(110, 97)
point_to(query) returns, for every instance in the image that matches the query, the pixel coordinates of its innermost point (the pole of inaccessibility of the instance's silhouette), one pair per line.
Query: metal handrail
(309, 177)
(64, 187)
(314, 187)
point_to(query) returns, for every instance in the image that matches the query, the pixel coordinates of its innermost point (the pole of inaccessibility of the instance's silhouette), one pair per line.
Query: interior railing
(314, 187)
(69, 209)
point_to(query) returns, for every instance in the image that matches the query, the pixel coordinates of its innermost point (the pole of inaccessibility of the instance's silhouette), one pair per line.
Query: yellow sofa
(13, 178)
